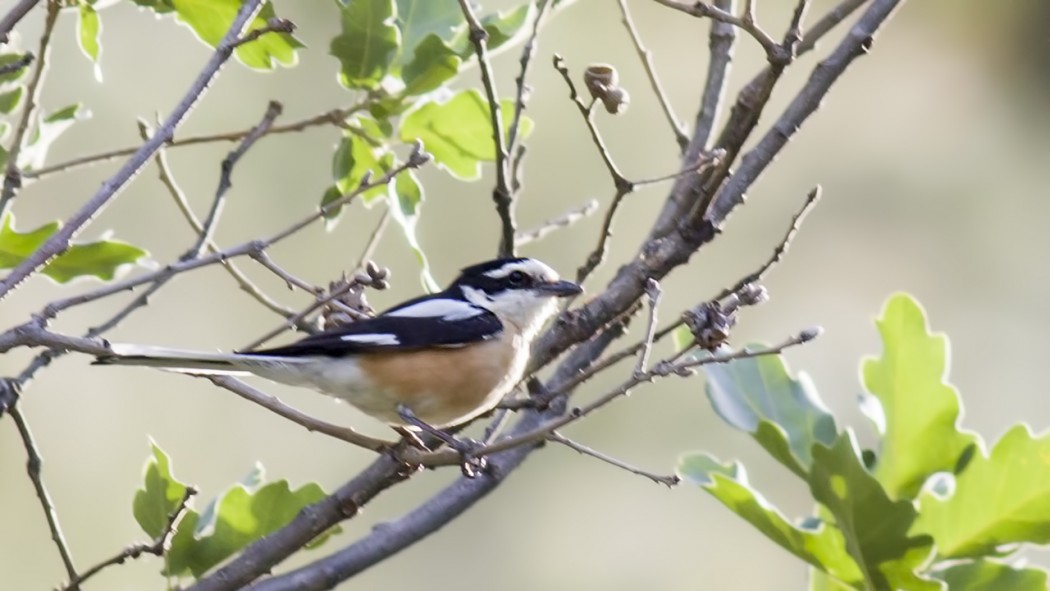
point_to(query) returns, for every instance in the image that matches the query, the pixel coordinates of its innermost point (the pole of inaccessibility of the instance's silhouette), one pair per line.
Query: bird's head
(520, 290)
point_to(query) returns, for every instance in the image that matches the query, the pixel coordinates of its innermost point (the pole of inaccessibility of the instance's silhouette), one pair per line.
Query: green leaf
(501, 27)
(1000, 499)
(987, 575)
(9, 100)
(243, 516)
(161, 7)
(211, 19)
(821, 546)
(159, 496)
(822, 581)
(353, 159)
(89, 29)
(419, 18)
(404, 203)
(784, 414)
(876, 528)
(99, 259)
(458, 133)
(921, 410)
(368, 43)
(433, 63)
(49, 129)
(10, 58)
(682, 338)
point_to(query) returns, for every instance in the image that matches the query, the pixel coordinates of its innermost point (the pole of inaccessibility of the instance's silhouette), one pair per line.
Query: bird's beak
(561, 289)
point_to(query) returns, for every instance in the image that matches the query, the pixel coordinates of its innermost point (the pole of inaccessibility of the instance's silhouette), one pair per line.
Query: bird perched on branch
(432, 362)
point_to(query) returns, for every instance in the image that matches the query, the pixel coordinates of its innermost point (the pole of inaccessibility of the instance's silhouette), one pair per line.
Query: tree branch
(334, 117)
(501, 193)
(60, 241)
(157, 547)
(34, 465)
(12, 174)
(668, 480)
(858, 42)
(274, 404)
(720, 43)
(650, 71)
(17, 12)
(392, 537)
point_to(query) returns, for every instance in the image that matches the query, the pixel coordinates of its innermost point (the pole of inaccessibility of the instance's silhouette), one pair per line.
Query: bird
(428, 364)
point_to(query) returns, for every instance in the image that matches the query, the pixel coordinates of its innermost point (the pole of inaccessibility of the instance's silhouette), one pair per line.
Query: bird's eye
(517, 279)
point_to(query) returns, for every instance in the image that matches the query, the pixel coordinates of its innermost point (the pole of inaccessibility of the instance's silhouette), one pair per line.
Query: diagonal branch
(157, 547)
(61, 240)
(33, 467)
(650, 71)
(17, 13)
(12, 174)
(721, 41)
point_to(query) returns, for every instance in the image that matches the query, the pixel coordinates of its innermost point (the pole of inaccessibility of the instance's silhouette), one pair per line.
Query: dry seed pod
(602, 82)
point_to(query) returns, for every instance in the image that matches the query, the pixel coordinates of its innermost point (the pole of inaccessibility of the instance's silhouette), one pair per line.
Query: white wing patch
(372, 339)
(443, 308)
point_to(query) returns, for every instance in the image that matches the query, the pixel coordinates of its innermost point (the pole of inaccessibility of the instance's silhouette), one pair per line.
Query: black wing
(393, 333)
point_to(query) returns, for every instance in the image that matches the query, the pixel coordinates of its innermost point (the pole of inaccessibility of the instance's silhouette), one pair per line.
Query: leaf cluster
(927, 509)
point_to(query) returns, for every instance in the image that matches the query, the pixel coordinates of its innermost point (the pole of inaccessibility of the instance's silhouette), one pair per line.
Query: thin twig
(334, 117)
(650, 70)
(373, 240)
(652, 295)
(290, 280)
(61, 240)
(13, 174)
(273, 404)
(623, 186)
(501, 193)
(782, 247)
(167, 178)
(158, 547)
(828, 22)
(587, 112)
(273, 110)
(17, 12)
(704, 161)
(660, 370)
(858, 42)
(775, 53)
(521, 81)
(597, 256)
(564, 220)
(16, 65)
(45, 358)
(794, 33)
(33, 467)
(274, 25)
(685, 192)
(666, 480)
(415, 160)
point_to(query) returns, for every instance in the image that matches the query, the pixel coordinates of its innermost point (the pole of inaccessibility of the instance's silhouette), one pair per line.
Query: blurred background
(933, 152)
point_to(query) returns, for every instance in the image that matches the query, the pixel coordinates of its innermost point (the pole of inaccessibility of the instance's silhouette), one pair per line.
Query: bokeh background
(933, 153)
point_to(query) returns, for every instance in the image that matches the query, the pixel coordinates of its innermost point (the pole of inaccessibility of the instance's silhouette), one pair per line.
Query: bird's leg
(470, 464)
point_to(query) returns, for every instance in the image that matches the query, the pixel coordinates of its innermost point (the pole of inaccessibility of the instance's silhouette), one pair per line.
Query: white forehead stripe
(372, 339)
(528, 266)
(445, 309)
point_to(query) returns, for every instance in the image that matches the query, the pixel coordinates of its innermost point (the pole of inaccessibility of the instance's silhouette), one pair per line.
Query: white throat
(525, 309)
